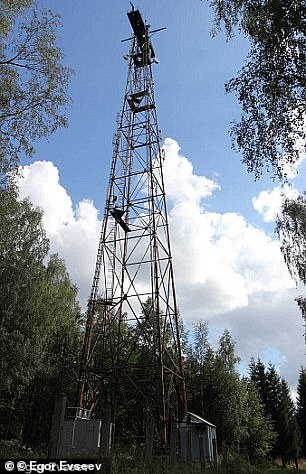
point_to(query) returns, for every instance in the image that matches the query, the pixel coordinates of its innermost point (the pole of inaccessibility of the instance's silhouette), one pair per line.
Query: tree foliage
(271, 85)
(23, 246)
(10, 9)
(257, 433)
(33, 81)
(280, 410)
(291, 229)
(217, 393)
(128, 360)
(40, 337)
(301, 407)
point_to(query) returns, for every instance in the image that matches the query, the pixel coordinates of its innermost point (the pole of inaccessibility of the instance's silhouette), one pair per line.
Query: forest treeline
(40, 331)
(41, 344)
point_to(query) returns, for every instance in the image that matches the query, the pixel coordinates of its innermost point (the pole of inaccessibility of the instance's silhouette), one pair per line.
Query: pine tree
(275, 395)
(257, 373)
(289, 439)
(301, 407)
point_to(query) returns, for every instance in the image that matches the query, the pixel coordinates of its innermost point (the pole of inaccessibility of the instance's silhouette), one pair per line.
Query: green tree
(125, 360)
(257, 434)
(279, 407)
(61, 359)
(213, 383)
(228, 418)
(40, 337)
(216, 392)
(301, 407)
(33, 81)
(291, 230)
(257, 375)
(289, 439)
(8, 13)
(199, 373)
(271, 85)
(23, 247)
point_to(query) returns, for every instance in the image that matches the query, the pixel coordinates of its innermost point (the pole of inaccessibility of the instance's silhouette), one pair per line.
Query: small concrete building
(80, 439)
(198, 439)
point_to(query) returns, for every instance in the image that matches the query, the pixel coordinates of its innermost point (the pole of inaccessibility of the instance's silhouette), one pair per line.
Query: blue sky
(189, 87)
(242, 283)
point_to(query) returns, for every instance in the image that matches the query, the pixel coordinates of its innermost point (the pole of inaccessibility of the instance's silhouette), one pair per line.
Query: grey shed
(198, 439)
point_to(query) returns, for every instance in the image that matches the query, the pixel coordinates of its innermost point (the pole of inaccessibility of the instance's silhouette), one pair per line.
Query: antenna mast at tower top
(132, 351)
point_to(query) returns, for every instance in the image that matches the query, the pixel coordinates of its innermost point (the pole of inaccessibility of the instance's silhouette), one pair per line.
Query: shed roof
(196, 419)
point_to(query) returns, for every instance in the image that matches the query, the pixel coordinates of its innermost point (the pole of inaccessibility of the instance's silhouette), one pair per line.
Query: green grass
(15, 450)
(131, 462)
(127, 464)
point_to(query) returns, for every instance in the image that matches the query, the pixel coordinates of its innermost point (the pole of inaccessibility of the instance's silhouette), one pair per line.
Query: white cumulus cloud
(182, 185)
(220, 259)
(73, 233)
(226, 270)
(269, 202)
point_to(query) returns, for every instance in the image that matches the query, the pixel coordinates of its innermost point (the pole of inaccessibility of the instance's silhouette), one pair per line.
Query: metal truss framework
(133, 283)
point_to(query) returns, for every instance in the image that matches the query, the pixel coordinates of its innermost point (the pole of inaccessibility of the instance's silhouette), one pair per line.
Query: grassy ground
(128, 465)
(125, 463)
(136, 466)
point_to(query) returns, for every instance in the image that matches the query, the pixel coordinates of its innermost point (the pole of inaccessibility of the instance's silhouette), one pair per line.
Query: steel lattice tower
(133, 284)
